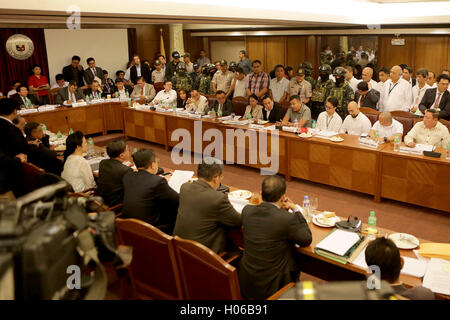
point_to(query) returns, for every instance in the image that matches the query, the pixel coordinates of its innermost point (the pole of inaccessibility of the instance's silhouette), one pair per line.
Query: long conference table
(379, 172)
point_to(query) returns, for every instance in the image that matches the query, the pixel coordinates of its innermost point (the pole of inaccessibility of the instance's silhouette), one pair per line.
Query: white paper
(360, 260)
(324, 133)
(414, 267)
(437, 276)
(289, 129)
(418, 149)
(179, 177)
(238, 204)
(339, 242)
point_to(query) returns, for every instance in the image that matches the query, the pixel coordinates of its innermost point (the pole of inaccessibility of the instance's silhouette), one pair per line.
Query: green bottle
(134, 150)
(70, 131)
(59, 135)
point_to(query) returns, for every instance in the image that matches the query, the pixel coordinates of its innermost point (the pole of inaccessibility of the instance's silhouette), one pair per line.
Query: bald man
(356, 123)
(387, 128)
(366, 76)
(396, 93)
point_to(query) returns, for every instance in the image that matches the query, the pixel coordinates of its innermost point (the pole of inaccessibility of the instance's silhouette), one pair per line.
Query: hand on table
(412, 144)
(35, 142)
(22, 157)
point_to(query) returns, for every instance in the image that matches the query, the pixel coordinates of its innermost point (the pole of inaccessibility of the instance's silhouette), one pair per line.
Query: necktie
(93, 71)
(73, 97)
(142, 91)
(361, 101)
(436, 103)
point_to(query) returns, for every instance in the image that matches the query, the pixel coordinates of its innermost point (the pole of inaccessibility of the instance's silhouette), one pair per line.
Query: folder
(435, 250)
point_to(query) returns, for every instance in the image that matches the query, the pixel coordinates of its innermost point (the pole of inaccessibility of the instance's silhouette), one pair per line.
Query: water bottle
(90, 146)
(129, 102)
(448, 151)
(59, 135)
(87, 99)
(372, 222)
(219, 113)
(127, 94)
(314, 124)
(134, 150)
(44, 128)
(377, 136)
(306, 209)
(296, 124)
(397, 144)
(70, 131)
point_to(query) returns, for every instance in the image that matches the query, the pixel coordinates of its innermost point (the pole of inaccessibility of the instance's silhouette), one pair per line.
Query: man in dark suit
(74, 71)
(121, 89)
(222, 104)
(94, 91)
(205, 213)
(23, 98)
(70, 94)
(147, 196)
(272, 111)
(111, 172)
(39, 152)
(270, 235)
(139, 70)
(438, 97)
(365, 97)
(90, 74)
(13, 150)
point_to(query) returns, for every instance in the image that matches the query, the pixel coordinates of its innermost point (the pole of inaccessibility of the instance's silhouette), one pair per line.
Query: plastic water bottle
(306, 209)
(296, 123)
(59, 135)
(134, 150)
(448, 151)
(397, 144)
(87, 99)
(90, 146)
(372, 222)
(44, 128)
(314, 123)
(127, 94)
(377, 136)
(70, 131)
(129, 102)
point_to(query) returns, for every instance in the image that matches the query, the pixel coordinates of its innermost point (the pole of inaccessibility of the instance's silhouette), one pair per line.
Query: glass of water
(314, 203)
(232, 115)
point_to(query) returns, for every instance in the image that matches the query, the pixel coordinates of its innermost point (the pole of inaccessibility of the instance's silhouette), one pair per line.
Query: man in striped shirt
(258, 80)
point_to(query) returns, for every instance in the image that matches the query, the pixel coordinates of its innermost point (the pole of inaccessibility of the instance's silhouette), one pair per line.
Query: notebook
(339, 245)
(179, 177)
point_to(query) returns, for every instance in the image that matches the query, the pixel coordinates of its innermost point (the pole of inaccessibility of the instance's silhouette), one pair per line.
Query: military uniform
(344, 94)
(320, 92)
(171, 67)
(181, 81)
(204, 85)
(303, 89)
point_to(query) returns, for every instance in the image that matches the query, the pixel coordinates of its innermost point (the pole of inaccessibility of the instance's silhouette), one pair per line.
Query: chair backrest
(52, 93)
(239, 105)
(445, 123)
(205, 275)
(153, 271)
(211, 99)
(31, 176)
(158, 86)
(285, 106)
(372, 117)
(367, 110)
(407, 122)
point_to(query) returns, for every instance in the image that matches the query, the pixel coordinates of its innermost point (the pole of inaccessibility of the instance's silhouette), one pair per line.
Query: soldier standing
(204, 83)
(181, 81)
(322, 89)
(171, 67)
(308, 70)
(341, 91)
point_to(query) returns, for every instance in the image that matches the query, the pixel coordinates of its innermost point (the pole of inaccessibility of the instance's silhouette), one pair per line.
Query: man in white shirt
(166, 97)
(279, 86)
(329, 120)
(387, 128)
(197, 102)
(419, 90)
(158, 75)
(383, 76)
(352, 81)
(13, 91)
(429, 131)
(60, 82)
(366, 76)
(396, 93)
(356, 123)
(240, 83)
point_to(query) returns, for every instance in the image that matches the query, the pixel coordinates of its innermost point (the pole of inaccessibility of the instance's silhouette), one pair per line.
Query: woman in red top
(39, 83)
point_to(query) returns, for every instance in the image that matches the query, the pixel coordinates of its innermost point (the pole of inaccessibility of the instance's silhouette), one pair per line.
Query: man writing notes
(167, 97)
(329, 120)
(387, 128)
(222, 106)
(429, 131)
(270, 233)
(70, 94)
(205, 213)
(356, 123)
(396, 94)
(297, 112)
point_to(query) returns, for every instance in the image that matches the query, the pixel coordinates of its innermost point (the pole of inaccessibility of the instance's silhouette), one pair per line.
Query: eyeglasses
(329, 108)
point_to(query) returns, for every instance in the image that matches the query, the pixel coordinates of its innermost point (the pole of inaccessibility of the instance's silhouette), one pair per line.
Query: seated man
(270, 235)
(329, 119)
(70, 94)
(111, 172)
(95, 91)
(197, 102)
(366, 97)
(121, 89)
(272, 111)
(39, 152)
(297, 112)
(60, 82)
(356, 122)
(204, 212)
(387, 128)
(222, 106)
(438, 98)
(147, 196)
(429, 131)
(143, 90)
(23, 98)
(167, 97)
(384, 253)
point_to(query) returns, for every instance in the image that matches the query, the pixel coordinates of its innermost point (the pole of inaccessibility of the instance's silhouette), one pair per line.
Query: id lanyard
(390, 89)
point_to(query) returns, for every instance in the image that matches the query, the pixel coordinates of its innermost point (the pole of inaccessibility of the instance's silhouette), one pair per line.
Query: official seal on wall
(19, 46)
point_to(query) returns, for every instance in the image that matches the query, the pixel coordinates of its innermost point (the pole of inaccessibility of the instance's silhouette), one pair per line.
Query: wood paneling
(193, 45)
(431, 53)
(256, 49)
(275, 52)
(390, 55)
(296, 50)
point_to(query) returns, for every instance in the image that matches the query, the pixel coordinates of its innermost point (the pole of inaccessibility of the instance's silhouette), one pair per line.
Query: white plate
(305, 135)
(241, 194)
(337, 139)
(404, 240)
(330, 222)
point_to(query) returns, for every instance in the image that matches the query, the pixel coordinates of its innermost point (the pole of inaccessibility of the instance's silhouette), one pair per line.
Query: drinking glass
(314, 203)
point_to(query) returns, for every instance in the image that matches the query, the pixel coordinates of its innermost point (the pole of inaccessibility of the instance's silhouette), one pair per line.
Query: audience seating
(158, 86)
(370, 113)
(239, 105)
(407, 119)
(153, 271)
(31, 176)
(52, 93)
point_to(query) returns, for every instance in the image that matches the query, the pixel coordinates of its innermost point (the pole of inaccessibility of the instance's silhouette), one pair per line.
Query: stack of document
(418, 149)
(435, 250)
(238, 204)
(325, 134)
(179, 177)
(437, 277)
(339, 245)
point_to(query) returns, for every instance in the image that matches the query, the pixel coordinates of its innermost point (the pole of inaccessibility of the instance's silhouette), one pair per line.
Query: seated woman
(183, 99)
(253, 109)
(77, 170)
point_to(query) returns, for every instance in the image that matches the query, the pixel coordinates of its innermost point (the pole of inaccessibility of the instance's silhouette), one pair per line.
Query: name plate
(94, 101)
(289, 129)
(417, 151)
(123, 99)
(256, 126)
(114, 100)
(368, 143)
(79, 104)
(142, 107)
(225, 118)
(46, 108)
(26, 111)
(195, 115)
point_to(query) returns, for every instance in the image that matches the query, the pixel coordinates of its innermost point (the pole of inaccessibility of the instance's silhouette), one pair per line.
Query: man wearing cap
(222, 79)
(187, 61)
(299, 86)
(341, 91)
(196, 75)
(158, 74)
(171, 67)
(244, 62)
(181, 81)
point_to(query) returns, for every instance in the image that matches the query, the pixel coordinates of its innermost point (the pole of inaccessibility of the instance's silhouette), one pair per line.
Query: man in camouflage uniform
(341, 91)
(308, 70)
(195, 76)
(181, 81)
(321, 90)
(204, 83)
(326, 57)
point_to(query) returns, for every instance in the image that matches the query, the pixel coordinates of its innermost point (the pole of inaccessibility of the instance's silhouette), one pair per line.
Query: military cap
(186, 55)
(195, 65)
(176, 55)
(325, 68)
(157, 63)
(339, 71)
(300, 71)
(223, 62)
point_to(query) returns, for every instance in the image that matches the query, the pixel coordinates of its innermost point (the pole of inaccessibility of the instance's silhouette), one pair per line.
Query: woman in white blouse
(253, 109)
(77, 170)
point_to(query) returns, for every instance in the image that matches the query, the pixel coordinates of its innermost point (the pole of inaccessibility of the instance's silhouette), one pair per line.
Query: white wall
(109, 48)
(228, 50)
